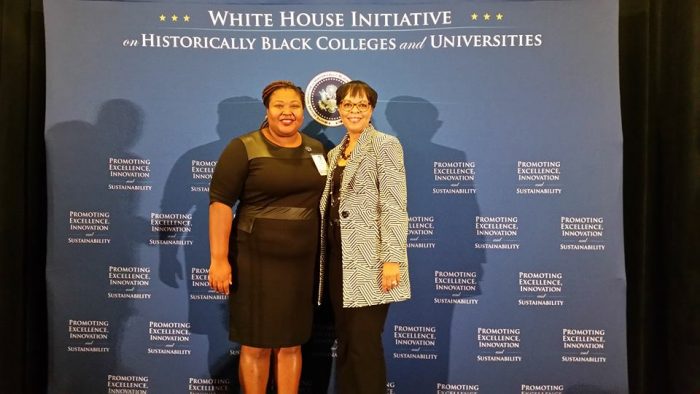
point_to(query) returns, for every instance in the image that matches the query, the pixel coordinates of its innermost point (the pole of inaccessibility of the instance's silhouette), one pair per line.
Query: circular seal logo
(320, 97)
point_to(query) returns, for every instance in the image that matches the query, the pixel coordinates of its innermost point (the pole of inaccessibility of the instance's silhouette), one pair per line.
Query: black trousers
(360, 365)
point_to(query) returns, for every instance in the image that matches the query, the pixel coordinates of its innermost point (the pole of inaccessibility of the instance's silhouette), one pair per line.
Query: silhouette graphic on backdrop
(78, 155)
(416, 121)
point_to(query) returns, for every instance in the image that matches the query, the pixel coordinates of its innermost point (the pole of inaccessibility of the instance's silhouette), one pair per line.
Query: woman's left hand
(390, 276)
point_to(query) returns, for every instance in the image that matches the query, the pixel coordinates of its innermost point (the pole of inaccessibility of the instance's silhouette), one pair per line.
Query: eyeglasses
(348, 106)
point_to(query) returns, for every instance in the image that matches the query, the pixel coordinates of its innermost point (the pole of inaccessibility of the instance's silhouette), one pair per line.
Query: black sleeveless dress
(273, 247)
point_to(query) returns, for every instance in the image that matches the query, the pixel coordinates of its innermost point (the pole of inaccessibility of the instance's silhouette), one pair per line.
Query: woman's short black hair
(356, 88)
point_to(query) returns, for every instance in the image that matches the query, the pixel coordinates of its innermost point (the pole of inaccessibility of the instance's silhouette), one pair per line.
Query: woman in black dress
(264, 259)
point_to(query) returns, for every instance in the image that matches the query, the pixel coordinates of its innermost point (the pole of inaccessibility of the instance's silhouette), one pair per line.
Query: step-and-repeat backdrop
(508, 113)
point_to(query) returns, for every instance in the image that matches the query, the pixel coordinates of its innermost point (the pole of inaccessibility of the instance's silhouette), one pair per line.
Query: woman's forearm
(220, 222)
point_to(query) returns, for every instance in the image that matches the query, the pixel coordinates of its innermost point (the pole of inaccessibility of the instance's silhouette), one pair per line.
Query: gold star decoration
(499, 16)
(186, 18)
(475, 16)
(162, 18)
(174, 18)
(487, 16)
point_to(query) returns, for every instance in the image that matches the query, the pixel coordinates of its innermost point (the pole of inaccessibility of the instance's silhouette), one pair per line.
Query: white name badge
(321, 165)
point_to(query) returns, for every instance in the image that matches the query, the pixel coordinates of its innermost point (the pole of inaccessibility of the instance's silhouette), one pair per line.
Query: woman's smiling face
(355, 112)
(285, 113)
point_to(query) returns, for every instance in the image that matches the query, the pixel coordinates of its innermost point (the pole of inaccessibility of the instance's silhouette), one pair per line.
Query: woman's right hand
(220, 275)
(220, 222)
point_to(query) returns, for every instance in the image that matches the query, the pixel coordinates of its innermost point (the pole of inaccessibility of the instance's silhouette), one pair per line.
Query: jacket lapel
(358, 153)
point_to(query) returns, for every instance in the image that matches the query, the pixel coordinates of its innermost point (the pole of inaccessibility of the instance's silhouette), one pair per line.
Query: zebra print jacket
(373, 219)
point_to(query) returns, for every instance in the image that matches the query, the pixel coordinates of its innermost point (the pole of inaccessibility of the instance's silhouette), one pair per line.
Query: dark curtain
(23, 353)
(660, 98)
(660, 86)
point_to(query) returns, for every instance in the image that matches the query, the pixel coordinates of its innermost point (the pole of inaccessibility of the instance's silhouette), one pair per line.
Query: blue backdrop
(508, 113)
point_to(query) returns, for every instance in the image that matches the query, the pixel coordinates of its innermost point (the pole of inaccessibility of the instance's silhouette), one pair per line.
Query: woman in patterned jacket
(363, 248)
